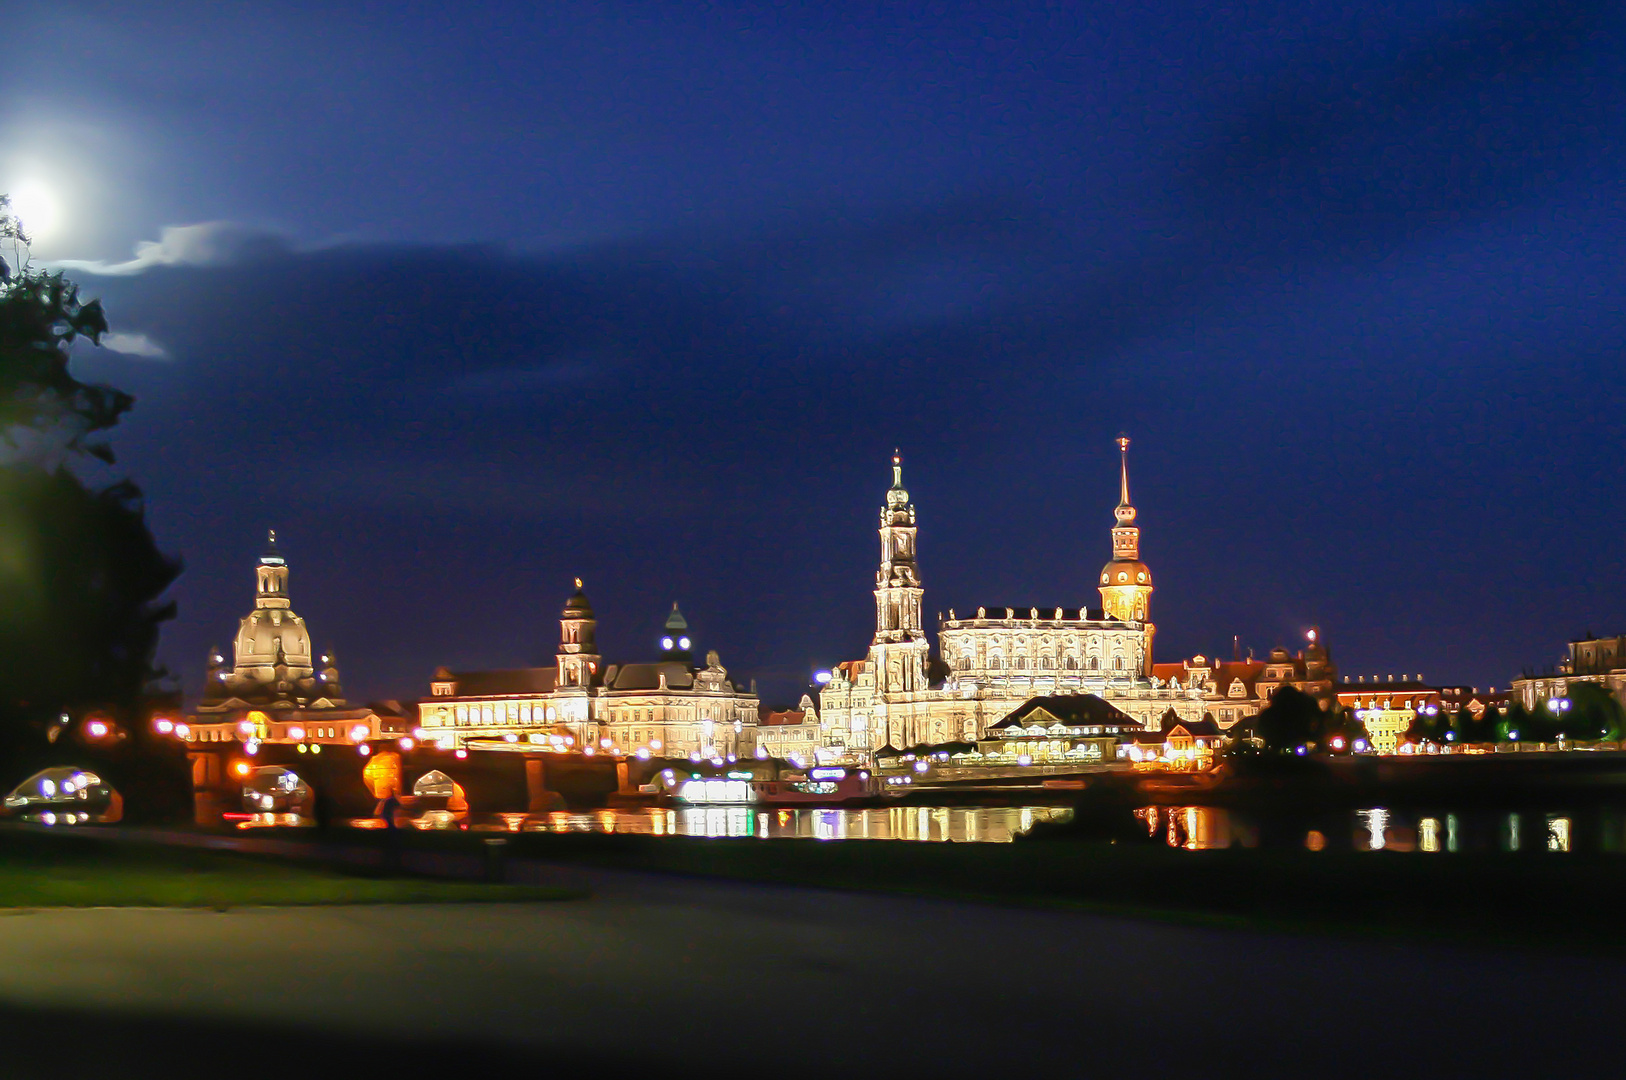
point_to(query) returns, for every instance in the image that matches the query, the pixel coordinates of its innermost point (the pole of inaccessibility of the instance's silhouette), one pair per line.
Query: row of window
(1044, 663)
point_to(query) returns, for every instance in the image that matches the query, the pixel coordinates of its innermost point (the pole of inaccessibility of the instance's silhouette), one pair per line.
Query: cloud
(208, 243)
(134, 345)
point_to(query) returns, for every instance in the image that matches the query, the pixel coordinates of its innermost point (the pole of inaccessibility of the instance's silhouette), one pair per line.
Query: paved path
(679, 977)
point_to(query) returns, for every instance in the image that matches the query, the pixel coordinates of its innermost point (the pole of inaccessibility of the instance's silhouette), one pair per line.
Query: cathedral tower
(1126, 582)
(899, 650)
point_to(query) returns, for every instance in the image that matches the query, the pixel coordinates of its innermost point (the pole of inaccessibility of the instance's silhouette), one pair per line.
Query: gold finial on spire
(1123, 469)
(578, 584)
(272, 535)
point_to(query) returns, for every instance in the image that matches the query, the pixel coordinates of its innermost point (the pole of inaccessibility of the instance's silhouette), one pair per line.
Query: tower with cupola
(578, 657)
(1126, 582)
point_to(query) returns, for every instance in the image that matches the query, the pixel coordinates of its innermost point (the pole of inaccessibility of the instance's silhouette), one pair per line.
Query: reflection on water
(1379, 828)
(995, 824)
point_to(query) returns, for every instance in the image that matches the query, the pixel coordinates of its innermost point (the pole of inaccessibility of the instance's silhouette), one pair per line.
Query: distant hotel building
(993, 661)
(1599, 660)
(669, 707)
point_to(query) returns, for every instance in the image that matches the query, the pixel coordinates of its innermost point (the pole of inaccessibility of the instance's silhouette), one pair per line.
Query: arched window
(1021, 663)
(995, 663)
(1095, 663)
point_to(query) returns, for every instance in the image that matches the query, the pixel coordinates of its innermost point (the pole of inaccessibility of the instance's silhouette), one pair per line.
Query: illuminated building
(1230, 688)
(668, 707)
(991, 662)
(276, 690)
(1589, 660)
(1057, 730)
(1178, 744)
(791, 735)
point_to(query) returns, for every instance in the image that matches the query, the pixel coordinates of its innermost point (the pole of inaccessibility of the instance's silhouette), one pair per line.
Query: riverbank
(40, 869)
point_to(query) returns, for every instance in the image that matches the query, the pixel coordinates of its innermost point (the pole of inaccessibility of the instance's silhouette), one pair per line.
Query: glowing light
(183, 730)
(37, 207)
(654, 744)
(821, 677)
(296, 733)
(358, 733)
(683, 643)
(364, 749)
(240, 768)
(666, 643)
(48, 788)
(407, 743)
(643, 753)
(164, 727)
(462, 754)
(97, 729)
(246, 727)
(302, 748)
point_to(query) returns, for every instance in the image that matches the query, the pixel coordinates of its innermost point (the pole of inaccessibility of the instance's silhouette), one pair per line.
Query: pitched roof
(535, 680)
(679, 676)
(1075, 710)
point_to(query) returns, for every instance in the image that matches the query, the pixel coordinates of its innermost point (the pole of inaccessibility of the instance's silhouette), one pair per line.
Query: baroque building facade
(1599, 660)
(277, 687)
(669, 707)
(991, 662)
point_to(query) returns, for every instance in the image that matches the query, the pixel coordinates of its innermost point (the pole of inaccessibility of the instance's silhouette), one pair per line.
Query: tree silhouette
(81, 578)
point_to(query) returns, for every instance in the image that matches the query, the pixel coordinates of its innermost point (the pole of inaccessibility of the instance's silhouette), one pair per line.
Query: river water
(981, 824)
(1388, 828)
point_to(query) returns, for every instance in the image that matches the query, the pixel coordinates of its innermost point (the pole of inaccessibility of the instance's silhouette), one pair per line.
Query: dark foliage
(81, 578)
(1291, 720)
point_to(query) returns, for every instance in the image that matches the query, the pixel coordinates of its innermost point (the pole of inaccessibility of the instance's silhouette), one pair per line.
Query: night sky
(468, 300)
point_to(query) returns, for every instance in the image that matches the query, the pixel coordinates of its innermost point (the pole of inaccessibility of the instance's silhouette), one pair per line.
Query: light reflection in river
(980, 824)
(1378, 828)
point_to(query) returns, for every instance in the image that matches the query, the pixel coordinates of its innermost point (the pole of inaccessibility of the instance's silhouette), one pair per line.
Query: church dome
(1125, 572)
(264, 630)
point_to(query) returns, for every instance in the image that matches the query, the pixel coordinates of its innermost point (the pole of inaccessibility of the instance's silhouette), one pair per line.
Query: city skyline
(779, 697)
(648, 295)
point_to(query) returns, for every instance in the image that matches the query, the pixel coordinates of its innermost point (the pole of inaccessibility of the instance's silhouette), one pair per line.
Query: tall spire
(1125, 512)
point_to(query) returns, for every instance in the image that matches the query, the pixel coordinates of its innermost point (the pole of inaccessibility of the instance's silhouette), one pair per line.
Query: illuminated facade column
(1126, 582)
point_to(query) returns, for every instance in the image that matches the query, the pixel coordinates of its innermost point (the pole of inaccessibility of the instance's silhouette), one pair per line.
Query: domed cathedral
(277, 689)
(668, 707)
(991, 662)
(273, 666)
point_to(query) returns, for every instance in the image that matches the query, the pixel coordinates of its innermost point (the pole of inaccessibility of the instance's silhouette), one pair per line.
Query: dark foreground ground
(670, 973)
(664, 976)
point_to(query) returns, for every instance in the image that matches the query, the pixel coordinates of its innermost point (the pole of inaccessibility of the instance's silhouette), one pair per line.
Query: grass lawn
(46, 870)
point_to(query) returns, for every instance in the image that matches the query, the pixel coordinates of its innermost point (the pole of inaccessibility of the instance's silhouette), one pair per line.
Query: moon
(36, 208)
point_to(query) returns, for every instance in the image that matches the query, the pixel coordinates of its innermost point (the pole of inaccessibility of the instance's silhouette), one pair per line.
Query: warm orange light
(241, 768)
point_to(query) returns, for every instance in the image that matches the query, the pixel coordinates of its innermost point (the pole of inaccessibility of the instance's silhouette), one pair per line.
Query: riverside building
(991, 662)
(668, 707)
(278, 688)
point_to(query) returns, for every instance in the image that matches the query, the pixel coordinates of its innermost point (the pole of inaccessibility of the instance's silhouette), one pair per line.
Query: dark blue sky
(468, 300)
